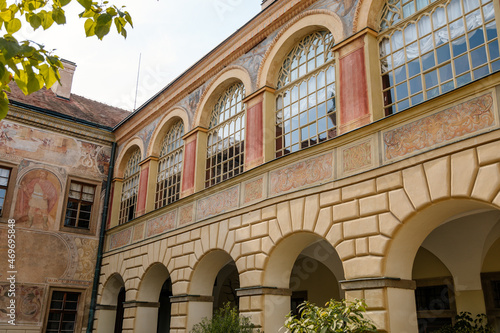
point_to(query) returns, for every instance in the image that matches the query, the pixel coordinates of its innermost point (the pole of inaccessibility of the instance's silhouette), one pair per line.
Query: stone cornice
(242, 41)
(62, 126)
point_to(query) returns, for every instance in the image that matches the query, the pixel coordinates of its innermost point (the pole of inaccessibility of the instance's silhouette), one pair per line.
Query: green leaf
(47, 19)
(111, 11)
(89, 27)
(101, 31)
(87, 4)
(6, 15)
(58, 16)
(64, 2)
(4, 105)
(129, 19)
(50, 75)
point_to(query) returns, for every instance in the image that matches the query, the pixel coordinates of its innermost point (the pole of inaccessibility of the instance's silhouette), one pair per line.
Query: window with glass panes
(226, 137)
(4, 183)
(62, 312)
(428, 48)
(79, 207)
(305, 102)
(168, 186)
(130, 188)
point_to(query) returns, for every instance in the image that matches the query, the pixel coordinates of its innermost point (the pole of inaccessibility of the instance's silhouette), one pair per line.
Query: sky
(168, 35)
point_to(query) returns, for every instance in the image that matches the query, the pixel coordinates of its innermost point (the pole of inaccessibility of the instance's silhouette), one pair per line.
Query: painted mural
(357, 157)
(450, 124)
(19, 141)
(218, 203)
(301, 174)
(37, 200)
(87, 251)
(161, 224)
(29, 300)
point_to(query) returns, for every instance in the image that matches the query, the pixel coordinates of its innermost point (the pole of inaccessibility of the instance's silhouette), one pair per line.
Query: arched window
(428, 48)
(130, 188)
(226, 137)
(305, 102)
(170, 166)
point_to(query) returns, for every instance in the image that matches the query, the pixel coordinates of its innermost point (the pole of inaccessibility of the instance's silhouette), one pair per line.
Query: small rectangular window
(79, 207)
(4, 183)
(63, 312)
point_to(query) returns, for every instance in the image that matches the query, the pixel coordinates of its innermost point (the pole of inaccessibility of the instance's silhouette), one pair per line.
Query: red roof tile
(77, 107)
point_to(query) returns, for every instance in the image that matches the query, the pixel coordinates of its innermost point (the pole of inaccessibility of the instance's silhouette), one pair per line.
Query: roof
(77, 107)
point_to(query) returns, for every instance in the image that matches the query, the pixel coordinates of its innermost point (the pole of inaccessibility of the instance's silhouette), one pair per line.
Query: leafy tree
(27, 62)
(465, 323)
(225, 320)
(335, 317)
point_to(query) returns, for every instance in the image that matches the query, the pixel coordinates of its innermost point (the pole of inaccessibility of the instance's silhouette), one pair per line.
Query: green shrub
(225, 320)
(466, 324)
(335, 317)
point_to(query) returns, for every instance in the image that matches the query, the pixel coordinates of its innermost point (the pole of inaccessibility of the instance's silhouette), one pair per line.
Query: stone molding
(262, 290)
(190, 298)
(140, 304)
(376, 283)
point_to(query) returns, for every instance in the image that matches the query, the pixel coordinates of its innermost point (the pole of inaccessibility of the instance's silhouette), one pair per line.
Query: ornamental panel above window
(130, 188)
(226, 137)
(170, 167)
(428, 48)
(305, 103)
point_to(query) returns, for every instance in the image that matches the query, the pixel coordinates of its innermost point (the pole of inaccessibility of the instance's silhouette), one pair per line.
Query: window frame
(11, 190)
(446, 313)
(179, 150)
(280, 148)
(212, 178)
(79, 311)
(135, 176)
(94, 215)
(6, 188)
(444, 71)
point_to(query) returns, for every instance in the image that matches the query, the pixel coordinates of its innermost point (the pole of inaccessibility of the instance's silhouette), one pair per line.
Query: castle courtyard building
(325, 150)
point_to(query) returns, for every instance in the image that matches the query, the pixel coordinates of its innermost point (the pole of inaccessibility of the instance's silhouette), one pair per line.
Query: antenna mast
(137, 84)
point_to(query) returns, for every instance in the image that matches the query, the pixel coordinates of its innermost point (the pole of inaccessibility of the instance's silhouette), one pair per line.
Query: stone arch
(300, 26)
(401, 251)
(149, 291)
(222, 81)
(367, 14)
(202, 283)
(125, 154)
(281, 263)
(171, 117)
(109, 303)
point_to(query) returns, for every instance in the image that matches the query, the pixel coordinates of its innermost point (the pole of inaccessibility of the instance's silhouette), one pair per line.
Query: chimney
(63, 89)
(266, 3)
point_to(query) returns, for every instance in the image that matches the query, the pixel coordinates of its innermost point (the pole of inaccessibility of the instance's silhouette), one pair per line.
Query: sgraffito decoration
(440, 128)
(308, 172)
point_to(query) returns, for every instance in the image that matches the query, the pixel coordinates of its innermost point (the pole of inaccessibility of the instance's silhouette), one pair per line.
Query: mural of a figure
(36, 199)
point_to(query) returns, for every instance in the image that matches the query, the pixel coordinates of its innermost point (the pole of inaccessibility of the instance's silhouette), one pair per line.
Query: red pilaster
(110, 205)
(254, 140)
(189, 165)
(143, 189)
(353, 91)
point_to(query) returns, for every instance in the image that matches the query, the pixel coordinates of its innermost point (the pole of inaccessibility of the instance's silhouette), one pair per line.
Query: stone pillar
(193, 173)
(129, 316)
(390, 302)
(267, 307)
(259, 138)
(189, 310)
(146, 315)
(354, 110)
(105, 318)
(115, 201)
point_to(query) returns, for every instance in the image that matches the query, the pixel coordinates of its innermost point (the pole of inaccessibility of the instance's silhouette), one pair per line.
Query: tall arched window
(130, 188)
(226, 136)
(305, 102)
(428, 48)
(170, 166)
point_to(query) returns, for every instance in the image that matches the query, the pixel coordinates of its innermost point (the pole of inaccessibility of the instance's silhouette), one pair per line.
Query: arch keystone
(415, 185)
